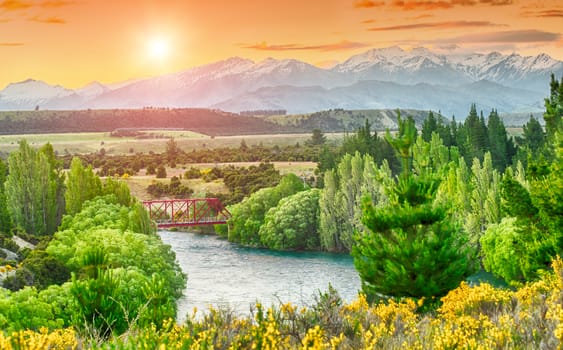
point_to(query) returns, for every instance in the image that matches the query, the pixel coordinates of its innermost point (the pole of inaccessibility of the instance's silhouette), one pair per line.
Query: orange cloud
(544, 13)
(56, 3)
(368, 3)
(12, 5)
(445, 4)
(510, 36)
(48, 20)
(441, 25)
(497, 2)
(368, 21)
(11, 44)
(422, 5)
(343, 45)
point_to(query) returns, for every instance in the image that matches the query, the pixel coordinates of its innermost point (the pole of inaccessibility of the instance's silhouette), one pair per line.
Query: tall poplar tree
(33, 190)
(81, 185)
(5, 220)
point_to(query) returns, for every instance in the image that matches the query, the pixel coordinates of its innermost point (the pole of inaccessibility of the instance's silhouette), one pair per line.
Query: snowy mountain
(421, 65)
(30, 93)
(379, 78)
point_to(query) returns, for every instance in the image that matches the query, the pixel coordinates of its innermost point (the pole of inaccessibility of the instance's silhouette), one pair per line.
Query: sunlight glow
(158, 48)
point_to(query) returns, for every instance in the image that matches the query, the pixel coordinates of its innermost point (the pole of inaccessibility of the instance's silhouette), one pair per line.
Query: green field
(82, 143)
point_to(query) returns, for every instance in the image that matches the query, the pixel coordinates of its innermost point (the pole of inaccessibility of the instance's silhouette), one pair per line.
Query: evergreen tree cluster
(474, 137)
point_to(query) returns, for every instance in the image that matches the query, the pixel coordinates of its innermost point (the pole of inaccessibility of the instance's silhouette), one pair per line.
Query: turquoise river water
(221, 273)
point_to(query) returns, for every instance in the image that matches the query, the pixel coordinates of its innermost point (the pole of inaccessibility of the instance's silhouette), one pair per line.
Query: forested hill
(212, 122)
(206, 121)
(342, 120)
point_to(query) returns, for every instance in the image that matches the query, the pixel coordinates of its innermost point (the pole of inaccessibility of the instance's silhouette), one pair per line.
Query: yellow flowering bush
(43, 339)
(470, 317)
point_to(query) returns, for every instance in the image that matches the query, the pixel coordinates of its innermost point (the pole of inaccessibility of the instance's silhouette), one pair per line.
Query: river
(221, 273)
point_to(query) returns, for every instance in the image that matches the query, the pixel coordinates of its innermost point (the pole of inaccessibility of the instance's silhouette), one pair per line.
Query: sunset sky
(75, 42)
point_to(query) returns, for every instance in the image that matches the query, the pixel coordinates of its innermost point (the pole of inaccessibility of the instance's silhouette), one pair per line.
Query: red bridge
(187, 212)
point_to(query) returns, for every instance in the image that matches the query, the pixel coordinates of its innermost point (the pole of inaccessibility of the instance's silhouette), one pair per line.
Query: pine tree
(533, 136)
(501, 146)
(412, 246)
(429, 126)
(554, 108)
(474, 140)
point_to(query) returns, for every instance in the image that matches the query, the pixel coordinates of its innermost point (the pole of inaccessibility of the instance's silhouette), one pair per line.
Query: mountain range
(376, 79)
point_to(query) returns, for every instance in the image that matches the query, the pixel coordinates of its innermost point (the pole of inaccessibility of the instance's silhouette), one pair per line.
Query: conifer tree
(412, 246)
(501, 146)
(533, 136)
(429, 125)
(554, 108)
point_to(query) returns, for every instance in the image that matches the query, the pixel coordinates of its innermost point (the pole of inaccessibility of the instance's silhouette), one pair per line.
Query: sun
(158, 48)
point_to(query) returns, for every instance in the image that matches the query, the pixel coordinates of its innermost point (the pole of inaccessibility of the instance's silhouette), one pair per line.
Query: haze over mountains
(379, 78)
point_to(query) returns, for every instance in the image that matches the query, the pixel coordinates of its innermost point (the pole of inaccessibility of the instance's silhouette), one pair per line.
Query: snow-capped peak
(33, 89)
(92, 89)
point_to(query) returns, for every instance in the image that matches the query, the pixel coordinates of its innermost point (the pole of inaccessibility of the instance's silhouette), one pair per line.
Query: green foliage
(515, 253)
(501, 146)
(97, 304)
(32, 309)
(293, 223)
(554, 109)
(340, 201)
(483, 199)
(81, 185)
(192, 173)
(317, 137)
(161, 172)
(172, 152)
(113, 266)
(412, 246)
(5, 219)
(242, 181)
(119, 189)
(366, 142)
(402, 143)
(248, 216)
(39, 270)
(174, 189)
(432, 125)
(34, 190)
(531, 234)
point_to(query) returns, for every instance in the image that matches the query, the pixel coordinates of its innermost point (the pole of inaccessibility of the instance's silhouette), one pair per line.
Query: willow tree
(411, 247)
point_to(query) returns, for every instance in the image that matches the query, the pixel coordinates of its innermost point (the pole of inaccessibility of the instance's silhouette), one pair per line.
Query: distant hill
(340, 120)
(215, 122)
(205, 121)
